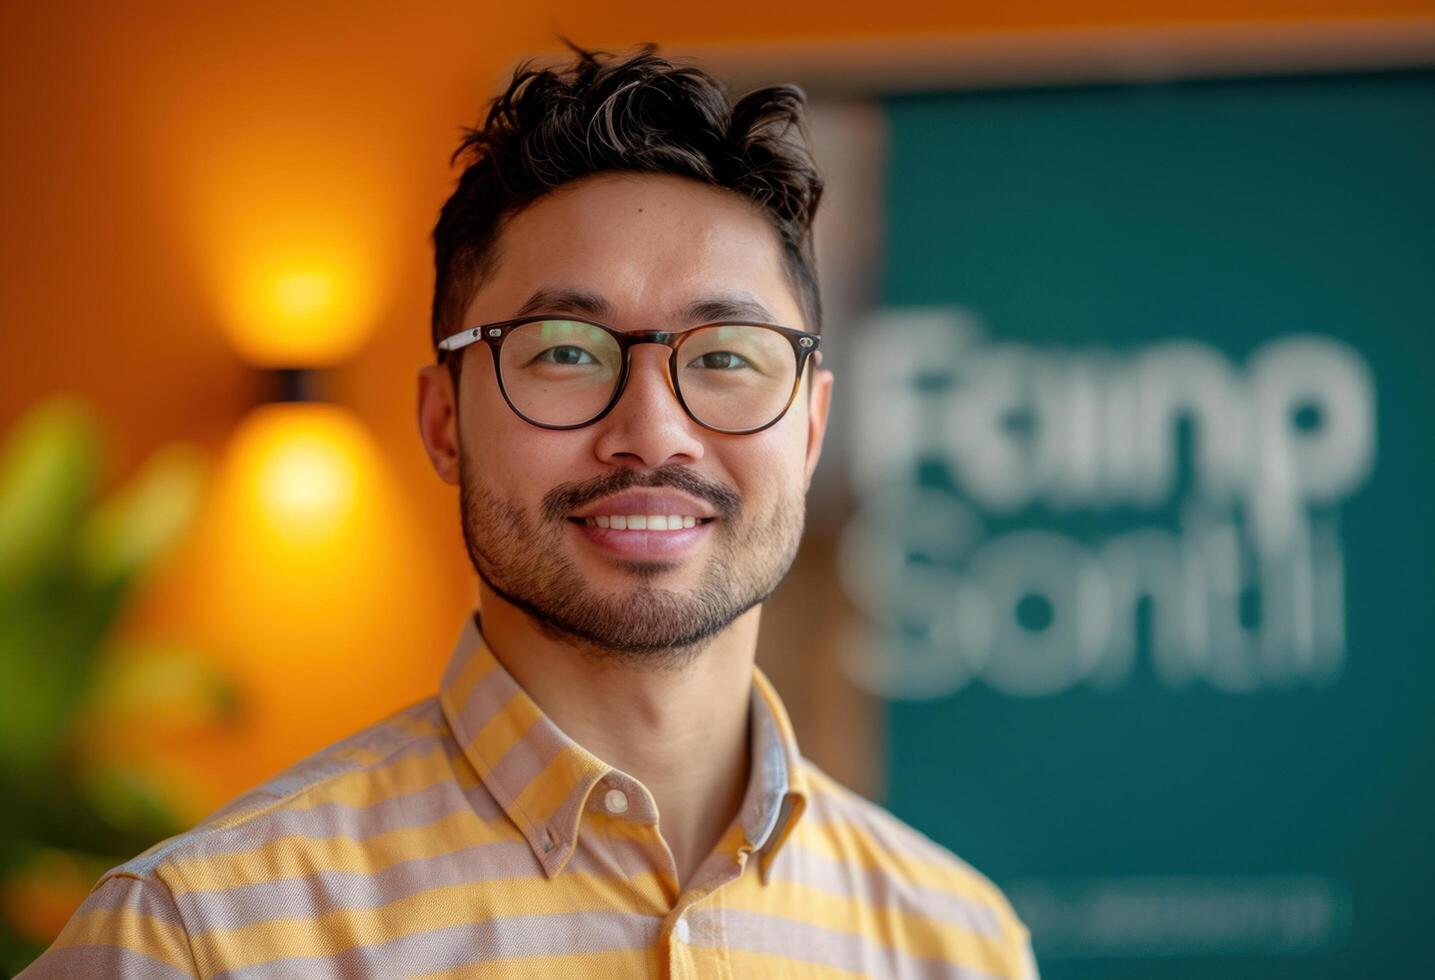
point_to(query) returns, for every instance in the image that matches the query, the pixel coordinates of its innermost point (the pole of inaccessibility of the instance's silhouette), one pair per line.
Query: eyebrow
(566, 301)
(738, 306)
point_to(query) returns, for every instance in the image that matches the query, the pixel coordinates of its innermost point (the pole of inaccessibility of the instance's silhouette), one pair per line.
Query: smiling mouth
(643, 522)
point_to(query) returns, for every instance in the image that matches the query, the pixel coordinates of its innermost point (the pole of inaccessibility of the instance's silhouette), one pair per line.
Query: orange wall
(151, 155)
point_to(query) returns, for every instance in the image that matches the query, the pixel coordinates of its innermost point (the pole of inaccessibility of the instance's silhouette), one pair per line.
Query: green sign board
(1145, 446)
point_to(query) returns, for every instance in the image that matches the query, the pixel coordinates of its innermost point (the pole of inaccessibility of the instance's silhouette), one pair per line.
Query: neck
(682, 732)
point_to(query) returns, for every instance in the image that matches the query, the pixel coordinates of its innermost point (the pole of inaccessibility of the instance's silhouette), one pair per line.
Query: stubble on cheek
(529, 567)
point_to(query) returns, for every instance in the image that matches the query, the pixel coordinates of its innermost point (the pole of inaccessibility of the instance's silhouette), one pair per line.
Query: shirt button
(680, 930)
(616, 801)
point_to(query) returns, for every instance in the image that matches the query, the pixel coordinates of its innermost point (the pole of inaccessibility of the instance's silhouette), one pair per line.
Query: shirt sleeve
(128, 928)
(1029, 962)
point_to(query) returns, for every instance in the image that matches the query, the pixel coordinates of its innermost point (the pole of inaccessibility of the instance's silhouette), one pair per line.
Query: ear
(818, 403)
(438, 420)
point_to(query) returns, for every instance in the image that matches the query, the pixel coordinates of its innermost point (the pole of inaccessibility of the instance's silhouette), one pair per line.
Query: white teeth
(643, 522)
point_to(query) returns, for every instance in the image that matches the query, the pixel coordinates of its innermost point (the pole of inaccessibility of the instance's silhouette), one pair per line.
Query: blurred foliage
(78, 796)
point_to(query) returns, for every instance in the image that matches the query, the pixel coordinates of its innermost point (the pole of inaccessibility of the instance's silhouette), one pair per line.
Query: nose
(648, 427)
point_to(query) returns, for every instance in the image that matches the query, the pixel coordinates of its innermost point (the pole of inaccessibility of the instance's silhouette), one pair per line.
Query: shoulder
(858, 827)
(392, 792)
(401, 773)
(126, 927)
(904, 868)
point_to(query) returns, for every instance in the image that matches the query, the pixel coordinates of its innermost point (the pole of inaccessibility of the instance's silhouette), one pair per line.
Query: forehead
(649, 245)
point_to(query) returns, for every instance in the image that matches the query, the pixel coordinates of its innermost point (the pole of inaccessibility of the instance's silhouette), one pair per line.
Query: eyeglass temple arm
(461, 339)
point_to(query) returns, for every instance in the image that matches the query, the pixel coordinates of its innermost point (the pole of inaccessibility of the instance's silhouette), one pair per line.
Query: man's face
(647, 247)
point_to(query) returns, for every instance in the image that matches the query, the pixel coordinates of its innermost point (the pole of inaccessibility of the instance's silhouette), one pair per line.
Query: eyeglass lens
(731, 376)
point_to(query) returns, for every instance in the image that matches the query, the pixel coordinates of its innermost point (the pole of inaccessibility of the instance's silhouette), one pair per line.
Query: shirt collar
(542, 778)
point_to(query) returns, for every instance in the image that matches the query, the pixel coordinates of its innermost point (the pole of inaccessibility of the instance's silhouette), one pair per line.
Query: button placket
(621, 799)
(680, 953)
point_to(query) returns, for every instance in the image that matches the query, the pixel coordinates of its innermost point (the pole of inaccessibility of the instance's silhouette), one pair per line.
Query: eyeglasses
(565, 373)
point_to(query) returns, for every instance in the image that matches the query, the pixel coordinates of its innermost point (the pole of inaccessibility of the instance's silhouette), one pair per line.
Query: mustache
(565, 498)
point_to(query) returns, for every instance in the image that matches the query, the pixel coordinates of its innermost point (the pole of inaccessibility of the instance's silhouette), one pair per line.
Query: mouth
(642, 522)
(643, 536)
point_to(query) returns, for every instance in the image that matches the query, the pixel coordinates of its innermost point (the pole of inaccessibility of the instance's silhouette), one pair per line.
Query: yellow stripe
(605, 963)
(732, 839)
(504, 730)
(366, 758)
(128, 929)
(368, 755)
(541, 798)
(399, 777)
(851, 846)
(849, 843)
(293, 856)
(420, 718)
(475, 669)
(465, 903)
(746, 963)
(658, 891)
(890, 926)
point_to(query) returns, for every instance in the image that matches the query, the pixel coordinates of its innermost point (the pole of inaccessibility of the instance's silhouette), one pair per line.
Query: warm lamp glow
(306, 476)
(292, 237)
(303, 296)
(313, 585)
(298, 473)
(298, 310)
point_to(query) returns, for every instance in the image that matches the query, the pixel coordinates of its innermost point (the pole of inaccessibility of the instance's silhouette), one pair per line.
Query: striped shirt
(467, 835)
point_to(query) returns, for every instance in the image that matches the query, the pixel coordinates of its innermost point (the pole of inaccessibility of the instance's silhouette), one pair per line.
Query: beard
(524, 560)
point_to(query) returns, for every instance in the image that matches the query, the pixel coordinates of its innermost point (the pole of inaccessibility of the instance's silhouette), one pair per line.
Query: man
(630, 399)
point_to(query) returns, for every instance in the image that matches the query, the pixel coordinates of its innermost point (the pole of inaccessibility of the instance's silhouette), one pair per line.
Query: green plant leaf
(131, 801)
(139, 522)
(49, 465)
(150, 679)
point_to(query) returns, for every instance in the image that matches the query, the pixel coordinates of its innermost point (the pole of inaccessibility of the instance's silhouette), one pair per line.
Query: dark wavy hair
(641, 113)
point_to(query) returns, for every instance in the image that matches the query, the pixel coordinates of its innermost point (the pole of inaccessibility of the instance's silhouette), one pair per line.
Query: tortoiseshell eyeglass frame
(804, 345)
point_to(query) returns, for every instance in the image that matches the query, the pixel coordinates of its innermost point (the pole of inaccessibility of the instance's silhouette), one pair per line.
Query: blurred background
(1121, 538)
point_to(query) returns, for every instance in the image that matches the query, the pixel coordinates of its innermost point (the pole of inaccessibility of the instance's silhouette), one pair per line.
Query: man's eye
(721, 360)
(567, 354)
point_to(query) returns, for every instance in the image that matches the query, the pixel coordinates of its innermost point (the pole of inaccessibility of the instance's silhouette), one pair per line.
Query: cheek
(518, 461)
(793, 440)
(771, 465)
